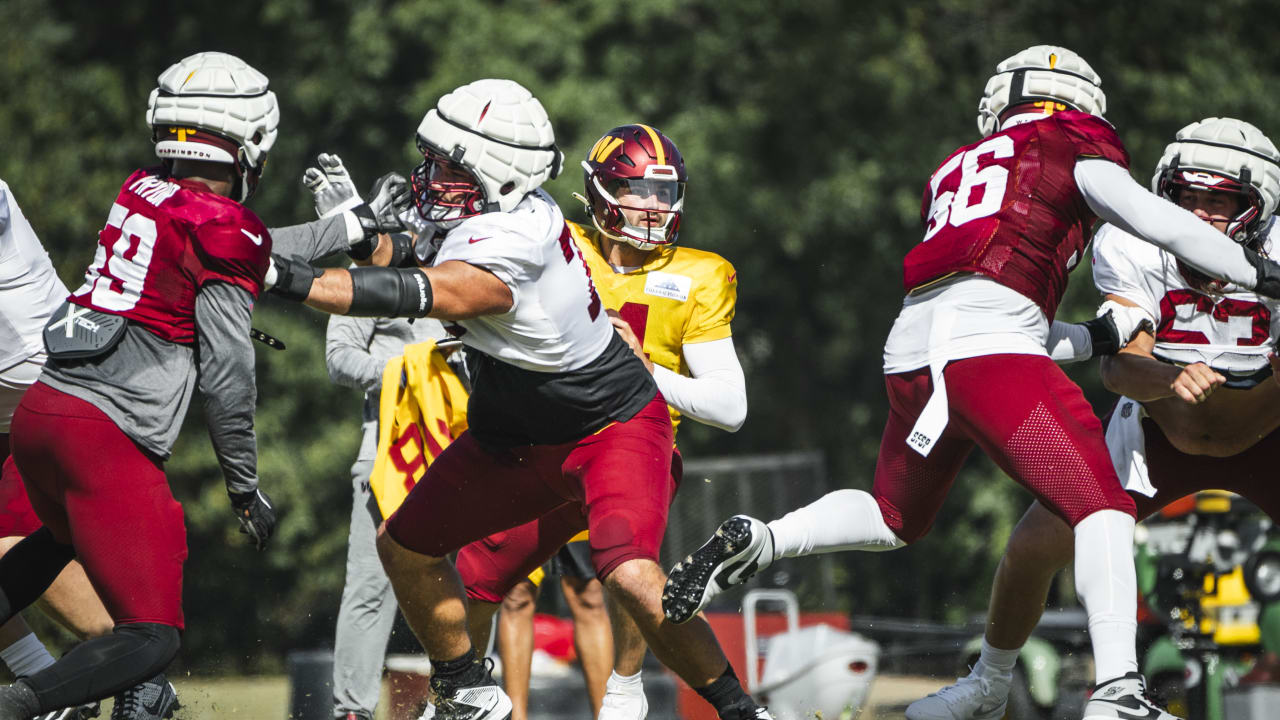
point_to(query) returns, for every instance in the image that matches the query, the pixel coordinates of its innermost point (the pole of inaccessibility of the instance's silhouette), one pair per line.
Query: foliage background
(809, 130)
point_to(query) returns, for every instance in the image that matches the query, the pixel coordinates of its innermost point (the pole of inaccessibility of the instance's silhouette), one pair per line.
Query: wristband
(294, 277)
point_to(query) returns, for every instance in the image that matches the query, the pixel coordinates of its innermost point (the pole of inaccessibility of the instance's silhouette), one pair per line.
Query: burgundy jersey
(1008, 207)
(163, 240)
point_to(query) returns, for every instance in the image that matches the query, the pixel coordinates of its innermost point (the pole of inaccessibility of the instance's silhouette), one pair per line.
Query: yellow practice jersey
(681, 296)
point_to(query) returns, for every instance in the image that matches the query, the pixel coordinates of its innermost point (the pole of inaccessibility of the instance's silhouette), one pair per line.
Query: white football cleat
(1124, 698)
(482, 701)
(741, 547)
(975, 697)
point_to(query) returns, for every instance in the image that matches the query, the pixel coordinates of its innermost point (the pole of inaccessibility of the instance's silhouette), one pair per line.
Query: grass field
(267, 698)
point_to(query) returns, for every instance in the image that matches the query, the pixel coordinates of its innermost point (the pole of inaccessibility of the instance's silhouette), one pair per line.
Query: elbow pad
(390, 292)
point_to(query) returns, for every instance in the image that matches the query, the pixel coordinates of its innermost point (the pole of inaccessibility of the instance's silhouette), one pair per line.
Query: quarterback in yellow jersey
(674, 306)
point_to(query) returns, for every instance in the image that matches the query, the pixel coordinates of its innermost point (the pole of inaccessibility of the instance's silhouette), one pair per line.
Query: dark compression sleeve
(390, 292)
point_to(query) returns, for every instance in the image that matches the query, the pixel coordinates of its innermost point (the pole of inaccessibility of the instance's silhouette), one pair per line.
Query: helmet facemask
(444, 191)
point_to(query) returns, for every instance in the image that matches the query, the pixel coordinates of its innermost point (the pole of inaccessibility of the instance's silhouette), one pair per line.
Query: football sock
(460, 671)
(726, 695)
(26, 656)
(994, 661)
(624, 684)
(28, 569)
(1108, 587)
(103, 666)
(841, 520)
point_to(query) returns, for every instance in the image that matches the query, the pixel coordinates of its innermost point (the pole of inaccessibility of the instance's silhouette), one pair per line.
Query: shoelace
(129, 704)
(965, 686)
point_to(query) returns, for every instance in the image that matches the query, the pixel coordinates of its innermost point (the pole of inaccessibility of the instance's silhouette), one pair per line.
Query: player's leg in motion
(115, 496)
(624, 697)
(468, 493)
(625, 472)
(841, 520)
(367, 611)
(1037, 426)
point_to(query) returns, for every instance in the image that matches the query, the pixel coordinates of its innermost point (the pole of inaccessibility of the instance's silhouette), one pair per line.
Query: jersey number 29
(117, 279)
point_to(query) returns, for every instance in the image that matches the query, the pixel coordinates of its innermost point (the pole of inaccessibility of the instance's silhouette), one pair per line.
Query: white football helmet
(1043, 73)
(496, 132)
(214, 107)
(1225, 155)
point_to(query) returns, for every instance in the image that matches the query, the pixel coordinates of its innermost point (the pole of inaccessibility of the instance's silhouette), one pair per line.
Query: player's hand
(256, 514)
(1196, 383)
(331, 186)
(629, 337)
(388, 198)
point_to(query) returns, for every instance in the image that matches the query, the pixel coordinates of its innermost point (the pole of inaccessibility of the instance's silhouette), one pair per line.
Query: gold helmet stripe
(657, 144)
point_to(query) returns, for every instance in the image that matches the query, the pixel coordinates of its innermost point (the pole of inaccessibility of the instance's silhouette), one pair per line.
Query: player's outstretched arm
(1114, 196)
(1136, 373)
(452, 290)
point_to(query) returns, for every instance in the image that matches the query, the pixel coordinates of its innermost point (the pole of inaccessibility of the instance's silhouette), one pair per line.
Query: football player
(164, 307)
(673, 305)
(1005, 219)
(562, 411)
(1197, 409)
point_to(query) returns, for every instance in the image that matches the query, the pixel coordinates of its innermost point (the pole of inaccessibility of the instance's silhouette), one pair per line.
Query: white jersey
(1233, 333)
(556, 322)
(29, 288)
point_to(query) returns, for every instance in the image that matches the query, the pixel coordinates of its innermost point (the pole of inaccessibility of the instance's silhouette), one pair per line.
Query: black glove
(1268, 284)
(293, 277)
(256, 515)
(1104, 334)
(388, 198)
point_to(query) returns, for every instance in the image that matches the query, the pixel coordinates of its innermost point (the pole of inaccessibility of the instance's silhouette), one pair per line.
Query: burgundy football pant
(100, 493)
(616, 483)
(492, 566)
(1024, 412)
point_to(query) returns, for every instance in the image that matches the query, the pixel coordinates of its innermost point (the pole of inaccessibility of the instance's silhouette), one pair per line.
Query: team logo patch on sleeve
(668, 285)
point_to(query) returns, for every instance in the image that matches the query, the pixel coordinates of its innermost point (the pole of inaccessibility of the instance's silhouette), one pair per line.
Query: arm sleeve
(226, 381)
(347, 354)
(316, 239)
(717, 392)
(1068, 343)
(1114, 196)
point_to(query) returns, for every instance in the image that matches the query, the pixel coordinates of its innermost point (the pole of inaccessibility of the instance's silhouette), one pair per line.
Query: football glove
(1268, 280)
(387, 199)
(256, 515)
(331, 186)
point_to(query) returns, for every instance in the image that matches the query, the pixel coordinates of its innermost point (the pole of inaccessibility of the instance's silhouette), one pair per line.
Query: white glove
(1128, 319)
(331, 186)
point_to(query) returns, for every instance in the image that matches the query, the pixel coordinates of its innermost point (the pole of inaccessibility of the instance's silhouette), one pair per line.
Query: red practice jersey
(1008, 207)
(164, 239)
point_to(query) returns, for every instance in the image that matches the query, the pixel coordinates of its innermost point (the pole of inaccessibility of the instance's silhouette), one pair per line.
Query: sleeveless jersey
(1233, 332)
(1008, 207)
(680, 296)
(551, 369)
(164, 238)
(29, 288)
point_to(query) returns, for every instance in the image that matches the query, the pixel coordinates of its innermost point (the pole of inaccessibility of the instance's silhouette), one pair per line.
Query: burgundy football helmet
(635, 180)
